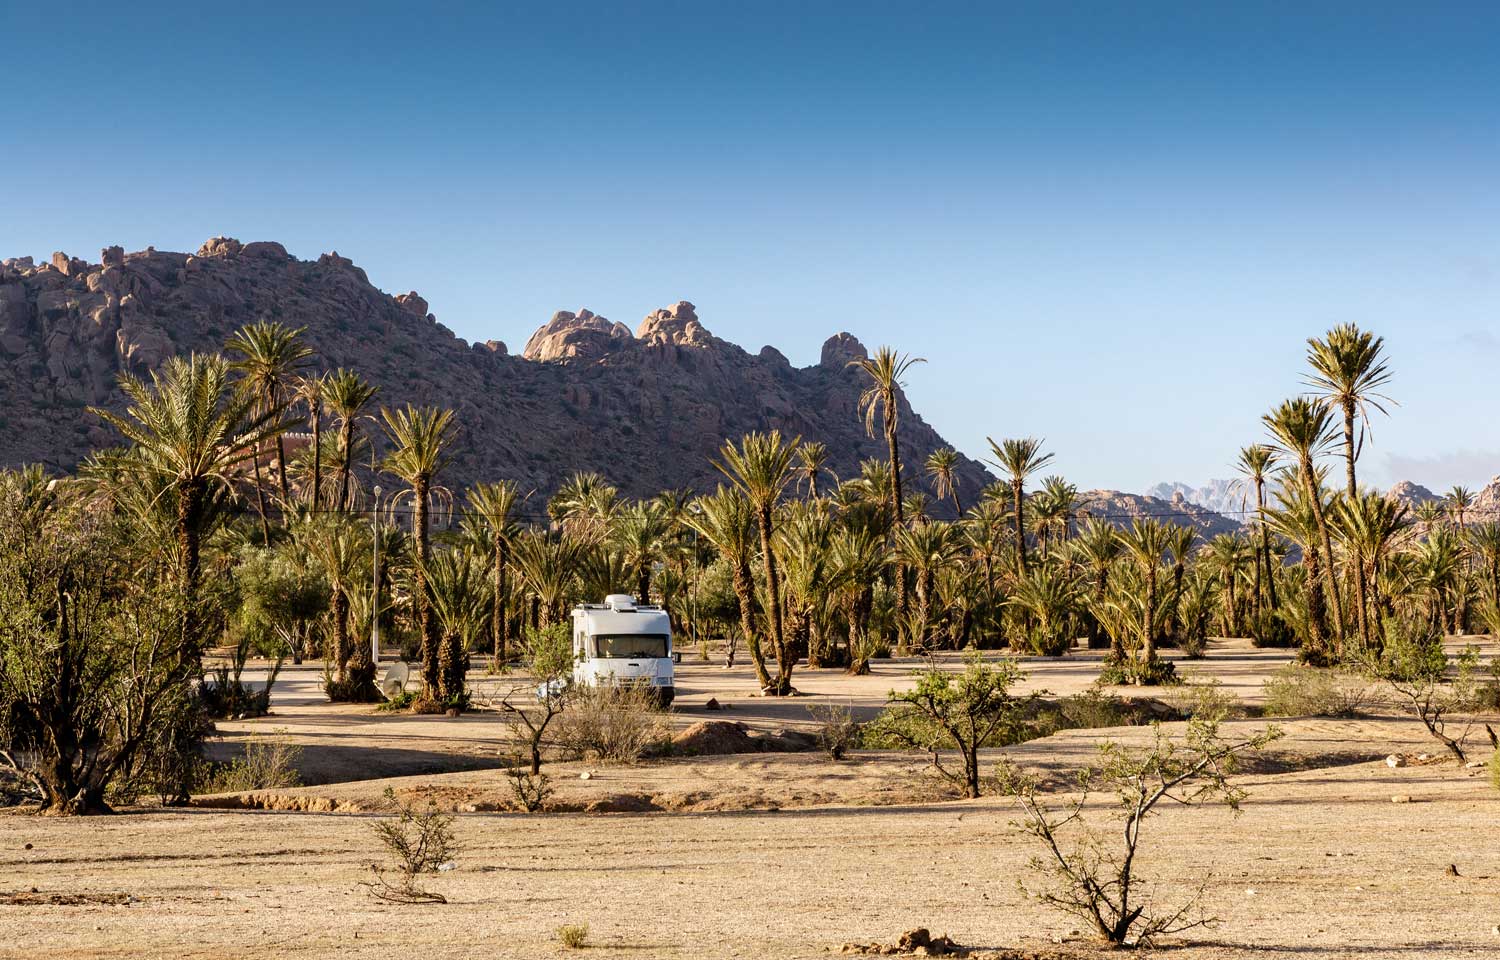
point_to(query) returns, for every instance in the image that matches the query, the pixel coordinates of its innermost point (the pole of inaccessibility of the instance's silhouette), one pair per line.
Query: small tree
(1413, 665)
(419, 842)
(1096, 881)
(962, 711)
(531, 707)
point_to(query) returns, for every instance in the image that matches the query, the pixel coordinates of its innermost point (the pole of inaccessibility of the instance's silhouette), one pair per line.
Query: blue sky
(1112, 225)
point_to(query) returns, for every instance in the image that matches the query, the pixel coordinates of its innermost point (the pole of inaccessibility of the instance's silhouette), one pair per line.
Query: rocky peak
(677, 325)
(841, 348)
(581, 335)
(1410, 493)
(220, 247)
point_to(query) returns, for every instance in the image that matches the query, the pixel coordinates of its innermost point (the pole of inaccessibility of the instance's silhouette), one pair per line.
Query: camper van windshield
(630, 646)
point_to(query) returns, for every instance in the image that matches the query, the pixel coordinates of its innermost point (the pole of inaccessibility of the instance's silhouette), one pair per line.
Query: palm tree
(270, 353)
(1348, 373)
(804, 543)
(1295, 519)
(926, 549)
(726, 519)
(1229, 554)
(761, 467)
(1484, 540)
(1020, 458)
(1098, 547)
(942, 467)
(191, 431)
(585, 502)
(490, 510)
(346, 394)
(885, 371)
(419, 438)
(547, 564)
(1459, 501)
(1303, 430)
(309, 391)
(814, 460)
(458, 598)
(640, 531)
(1369, 525)
(1147, 542)
(859, 558)
(340, 550)
(1255, 464)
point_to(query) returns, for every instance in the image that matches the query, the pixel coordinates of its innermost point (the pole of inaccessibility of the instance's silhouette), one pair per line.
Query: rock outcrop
(647, 409)
(1122, 509)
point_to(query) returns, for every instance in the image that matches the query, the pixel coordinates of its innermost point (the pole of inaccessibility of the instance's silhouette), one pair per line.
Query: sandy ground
(1320, 864)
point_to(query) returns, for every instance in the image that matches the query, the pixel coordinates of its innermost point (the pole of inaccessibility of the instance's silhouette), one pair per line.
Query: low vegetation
(1093, 873)
(418, 842)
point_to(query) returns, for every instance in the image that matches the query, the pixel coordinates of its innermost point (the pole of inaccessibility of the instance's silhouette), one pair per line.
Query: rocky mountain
(1229, 497)
(1411, 494)
(646, 408)
(1122, 508)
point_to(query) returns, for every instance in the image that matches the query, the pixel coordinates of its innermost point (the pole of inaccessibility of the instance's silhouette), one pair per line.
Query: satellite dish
(394, 682)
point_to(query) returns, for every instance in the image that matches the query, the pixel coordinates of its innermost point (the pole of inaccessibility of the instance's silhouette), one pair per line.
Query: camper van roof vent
(620, 602)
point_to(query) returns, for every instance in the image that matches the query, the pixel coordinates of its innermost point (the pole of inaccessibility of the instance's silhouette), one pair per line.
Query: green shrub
(1301, 691)
(574, 936)
(266, 763)
(620, 724)
(1208, 701)
(1129, 671)
(838, 733)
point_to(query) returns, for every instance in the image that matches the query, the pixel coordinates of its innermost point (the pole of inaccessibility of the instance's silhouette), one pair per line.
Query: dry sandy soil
(1320, 864)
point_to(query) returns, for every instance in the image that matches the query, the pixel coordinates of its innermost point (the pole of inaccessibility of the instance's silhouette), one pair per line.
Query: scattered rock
(1452, 870)
(712, 704)
(1395, 761)
(586, 775)
(1401, 798)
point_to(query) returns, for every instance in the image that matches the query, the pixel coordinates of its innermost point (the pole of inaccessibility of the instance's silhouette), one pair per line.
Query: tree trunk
(260, 499)
(426, 623)
(783, 684)
(897, 508)
(317, 443)
(1311, 481)
(1017, 498)
(744, 589)
(346, 441)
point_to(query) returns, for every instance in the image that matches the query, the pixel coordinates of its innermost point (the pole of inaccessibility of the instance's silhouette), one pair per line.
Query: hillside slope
(647, 409)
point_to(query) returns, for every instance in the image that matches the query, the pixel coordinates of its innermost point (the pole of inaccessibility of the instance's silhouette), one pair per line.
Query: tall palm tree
(761, 466)
(726, 519)
(814, 461)
(885, 370)
(491, 508)
(1019, 458)
(1147, 542)
(585, 502)
(270, 355)
(419, 439)
(190, 432)
(1295, 519)
(1255, 464)
(340, 549)
(1303, 431)
(859, 558)
(1348, 374)
(1459, 501)
(347, 396)
(309, 392)
(942, 467)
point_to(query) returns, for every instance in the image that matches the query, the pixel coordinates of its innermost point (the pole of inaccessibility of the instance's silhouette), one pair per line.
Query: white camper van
(622, 642)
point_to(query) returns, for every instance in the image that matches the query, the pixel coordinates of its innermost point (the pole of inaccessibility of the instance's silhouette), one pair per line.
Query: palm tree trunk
(744, 589)
(426, 623)
(896, 505)
(499, 623)
(1329, 573)
(340, 652)
(1148, 644)
(346, 441)
(260, 498)
(190, 494)
(317, 443)
(783, 683)
(1016, 496)
(286, 497)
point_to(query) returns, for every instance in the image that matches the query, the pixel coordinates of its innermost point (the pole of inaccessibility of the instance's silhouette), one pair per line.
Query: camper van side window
(632, 646)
